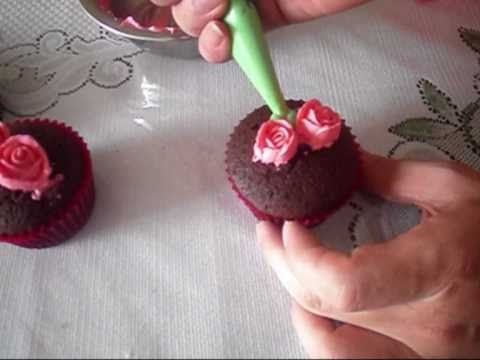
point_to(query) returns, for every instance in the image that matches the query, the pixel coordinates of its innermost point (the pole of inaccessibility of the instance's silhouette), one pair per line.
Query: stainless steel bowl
(183, 46)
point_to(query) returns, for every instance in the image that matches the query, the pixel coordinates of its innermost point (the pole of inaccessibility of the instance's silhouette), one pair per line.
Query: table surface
(168, 265)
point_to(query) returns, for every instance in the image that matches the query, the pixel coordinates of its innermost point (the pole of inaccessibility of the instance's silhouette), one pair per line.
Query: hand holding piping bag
(250, 51)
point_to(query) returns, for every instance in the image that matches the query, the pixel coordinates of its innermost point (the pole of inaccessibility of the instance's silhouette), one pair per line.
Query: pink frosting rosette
(276, 143)
(317, 125)
(24, 165)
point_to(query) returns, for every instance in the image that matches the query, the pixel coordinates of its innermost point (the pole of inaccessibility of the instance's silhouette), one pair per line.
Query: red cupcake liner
(315, 219)
(68, 220)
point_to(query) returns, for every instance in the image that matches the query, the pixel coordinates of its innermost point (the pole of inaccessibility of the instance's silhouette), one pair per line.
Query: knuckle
(328, 348)
(451, 333)
(450, 172)
(448, 333)
(464, 266)
(192, 28)
(206, 10)
(469, 268)
(344, 294)
(460, 177)
(347, 298)
(327, 351)
(348, 286)
(190, 25)
(450, 169)
(310, 301)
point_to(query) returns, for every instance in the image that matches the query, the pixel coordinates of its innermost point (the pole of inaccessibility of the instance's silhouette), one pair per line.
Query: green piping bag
(250, 51)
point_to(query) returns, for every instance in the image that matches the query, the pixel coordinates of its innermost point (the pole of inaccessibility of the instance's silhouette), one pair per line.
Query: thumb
(322, 339)
(404, 269)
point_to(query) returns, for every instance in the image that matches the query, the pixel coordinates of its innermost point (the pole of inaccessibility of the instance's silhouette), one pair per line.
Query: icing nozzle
(250, 51)
(290, 115)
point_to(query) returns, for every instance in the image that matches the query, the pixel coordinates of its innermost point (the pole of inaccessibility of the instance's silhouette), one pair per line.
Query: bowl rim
(103, 19)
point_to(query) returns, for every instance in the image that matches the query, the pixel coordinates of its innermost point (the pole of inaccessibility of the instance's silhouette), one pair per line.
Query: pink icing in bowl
(142, 15)
(149, 27)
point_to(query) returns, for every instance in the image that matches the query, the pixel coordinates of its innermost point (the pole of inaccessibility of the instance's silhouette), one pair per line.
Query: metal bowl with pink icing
(149, 27)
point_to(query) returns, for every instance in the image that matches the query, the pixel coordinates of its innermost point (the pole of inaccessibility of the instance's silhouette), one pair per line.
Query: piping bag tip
(251, 52)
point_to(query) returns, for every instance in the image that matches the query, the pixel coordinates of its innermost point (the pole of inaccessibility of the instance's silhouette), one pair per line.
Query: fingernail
(204, 6)
(215, 35)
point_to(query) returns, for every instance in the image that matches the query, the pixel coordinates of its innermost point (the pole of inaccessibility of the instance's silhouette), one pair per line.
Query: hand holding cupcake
(301, 172)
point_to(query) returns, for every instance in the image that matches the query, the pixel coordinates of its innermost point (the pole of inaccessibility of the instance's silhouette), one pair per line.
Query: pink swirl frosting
(317, 125)
(276, 143)
(24, 165)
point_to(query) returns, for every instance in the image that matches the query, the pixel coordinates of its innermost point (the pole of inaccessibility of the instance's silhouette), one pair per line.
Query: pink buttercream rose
(318, 126)
(24, 165)
(276, 142)
(4, 132)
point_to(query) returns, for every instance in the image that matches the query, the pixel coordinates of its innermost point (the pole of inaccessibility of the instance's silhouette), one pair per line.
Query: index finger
(409, 267)
(431, 185)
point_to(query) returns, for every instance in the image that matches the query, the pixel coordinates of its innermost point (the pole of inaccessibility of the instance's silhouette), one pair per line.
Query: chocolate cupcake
(46, 183)
(300, 170)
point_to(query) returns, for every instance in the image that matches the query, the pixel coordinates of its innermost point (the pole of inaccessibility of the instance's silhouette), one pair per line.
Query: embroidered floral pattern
(453, 131)
(34, 77)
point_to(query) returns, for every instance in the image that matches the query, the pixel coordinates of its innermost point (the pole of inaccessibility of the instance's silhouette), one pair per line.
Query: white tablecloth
(168, 265)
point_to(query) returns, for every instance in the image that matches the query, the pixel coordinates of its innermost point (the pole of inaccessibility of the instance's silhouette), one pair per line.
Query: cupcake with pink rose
(300, 169)
(46, 183)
